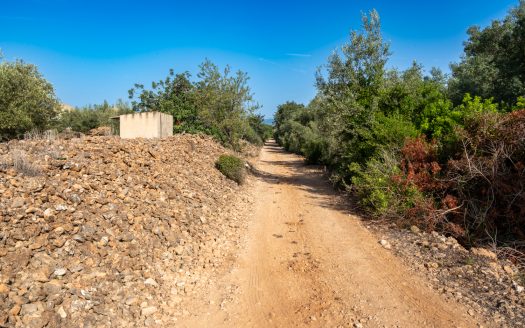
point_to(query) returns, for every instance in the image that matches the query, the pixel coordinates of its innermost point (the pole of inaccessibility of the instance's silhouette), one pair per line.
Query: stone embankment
(100, 232)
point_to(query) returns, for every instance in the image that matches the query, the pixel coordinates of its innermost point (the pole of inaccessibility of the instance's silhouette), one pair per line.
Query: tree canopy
(218, 102)
(493, 64)
(27, 100)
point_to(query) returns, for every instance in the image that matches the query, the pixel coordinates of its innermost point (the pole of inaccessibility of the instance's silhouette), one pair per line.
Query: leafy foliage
(91, 117)
(232, 167)
(259, 131)
(219, 103)
(377, 188)
(348, 97)
(297, 130)
(493, 64)
(175, 95)
(27, 100)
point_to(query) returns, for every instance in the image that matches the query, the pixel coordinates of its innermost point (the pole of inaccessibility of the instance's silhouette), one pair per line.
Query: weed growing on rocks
(23, 165)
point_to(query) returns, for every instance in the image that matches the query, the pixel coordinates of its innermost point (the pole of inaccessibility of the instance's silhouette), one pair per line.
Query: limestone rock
(147, 311)
(151, 282)
(4, 289)
(61, 312)
(385, 244)
(60, 272)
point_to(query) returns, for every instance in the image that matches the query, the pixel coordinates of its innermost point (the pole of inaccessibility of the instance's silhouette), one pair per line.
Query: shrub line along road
(308, 262)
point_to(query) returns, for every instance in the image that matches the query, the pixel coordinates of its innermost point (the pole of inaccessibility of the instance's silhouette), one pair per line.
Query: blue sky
(95, 50)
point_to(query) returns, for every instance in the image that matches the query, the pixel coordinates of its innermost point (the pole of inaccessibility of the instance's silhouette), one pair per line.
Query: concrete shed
(146, 125)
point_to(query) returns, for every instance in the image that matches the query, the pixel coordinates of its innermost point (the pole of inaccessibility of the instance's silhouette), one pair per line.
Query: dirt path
(308, 263)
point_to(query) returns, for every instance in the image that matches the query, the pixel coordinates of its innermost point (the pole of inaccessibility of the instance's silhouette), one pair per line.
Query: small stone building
(146, 125)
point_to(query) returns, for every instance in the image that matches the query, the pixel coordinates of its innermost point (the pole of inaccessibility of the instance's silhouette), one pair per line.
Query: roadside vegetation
(446, 153)
(232, 167)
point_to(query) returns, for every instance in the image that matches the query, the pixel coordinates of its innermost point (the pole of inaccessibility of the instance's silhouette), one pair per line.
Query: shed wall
(146, 125)
(166, 125)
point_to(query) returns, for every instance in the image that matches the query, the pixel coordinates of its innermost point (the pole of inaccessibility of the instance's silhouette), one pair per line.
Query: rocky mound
(100, 232)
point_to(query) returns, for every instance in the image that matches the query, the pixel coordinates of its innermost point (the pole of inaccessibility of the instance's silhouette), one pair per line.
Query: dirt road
(308, 263)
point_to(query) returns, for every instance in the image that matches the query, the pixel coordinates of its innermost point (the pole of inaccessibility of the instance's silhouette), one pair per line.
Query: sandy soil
(307, 262)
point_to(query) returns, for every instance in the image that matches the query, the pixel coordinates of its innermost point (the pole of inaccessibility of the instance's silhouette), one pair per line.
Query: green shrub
(312, 147)
(252, 136)
(390, 132)
(91, 117)
(378, 190)
(438, 120)
(260, 132)
(313, 150)
(232, 167)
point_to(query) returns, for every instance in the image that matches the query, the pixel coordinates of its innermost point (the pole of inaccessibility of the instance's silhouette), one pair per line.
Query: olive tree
(27, 100)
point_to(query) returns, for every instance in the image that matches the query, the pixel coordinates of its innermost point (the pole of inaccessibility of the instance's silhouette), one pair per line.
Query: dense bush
(297, 131)
(260, 130)
(232, 167)
(27, 100)
(489, 176)
(378, 189)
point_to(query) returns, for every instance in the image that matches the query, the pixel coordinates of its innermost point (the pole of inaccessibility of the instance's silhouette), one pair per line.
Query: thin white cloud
(264, 60)
(271, 62)
(298, 55)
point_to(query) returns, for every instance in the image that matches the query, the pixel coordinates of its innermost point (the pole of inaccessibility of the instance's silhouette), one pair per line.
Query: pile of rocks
(488, 286)
(101, 131)
(111, 232)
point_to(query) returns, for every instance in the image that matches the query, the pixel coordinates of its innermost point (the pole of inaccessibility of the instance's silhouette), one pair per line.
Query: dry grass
(49, 135)
(4, 164)
(513, 254)
(22, 164)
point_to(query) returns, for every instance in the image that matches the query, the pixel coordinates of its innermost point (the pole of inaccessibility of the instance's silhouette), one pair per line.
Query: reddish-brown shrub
(423, 214)
(419, 164)
(420, 169)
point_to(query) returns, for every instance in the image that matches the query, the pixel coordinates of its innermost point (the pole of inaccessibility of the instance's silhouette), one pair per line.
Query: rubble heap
(104, 232)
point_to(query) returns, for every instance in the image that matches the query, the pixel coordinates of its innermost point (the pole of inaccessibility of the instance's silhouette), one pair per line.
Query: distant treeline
(218, 103)
(443, 152)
